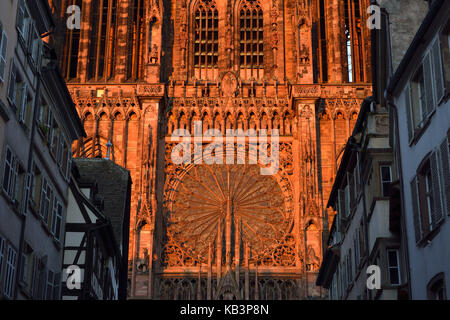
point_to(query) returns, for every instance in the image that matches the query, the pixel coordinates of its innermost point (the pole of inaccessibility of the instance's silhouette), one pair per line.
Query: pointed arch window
(135, 41)
(251, 39)
(72, 46)
(206, 39)
(103, 39)
(353, 15)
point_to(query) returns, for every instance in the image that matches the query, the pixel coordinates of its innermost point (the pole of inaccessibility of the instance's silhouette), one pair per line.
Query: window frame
(24, 29)
(397, 267)
(382, 182)
(437, 281)
(246, 25)
(427, 199)
(10, 271)
(3, 53)
(211, 33)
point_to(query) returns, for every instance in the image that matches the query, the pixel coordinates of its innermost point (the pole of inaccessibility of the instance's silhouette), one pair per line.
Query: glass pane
(393, 275)
(386, 173)
(392, 258)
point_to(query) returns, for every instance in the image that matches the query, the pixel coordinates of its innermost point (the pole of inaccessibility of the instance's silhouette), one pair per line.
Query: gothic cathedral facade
(138, 70)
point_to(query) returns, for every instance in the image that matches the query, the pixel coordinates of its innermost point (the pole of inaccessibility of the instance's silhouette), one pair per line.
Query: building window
(418, 99)
(251, 40)
(323, 42)
(425, 90)
(444, 151)
(28, 264)
(10, 173)
(72, 47)
(35, 47)
(393, 266)
(35, 188)
(40, 277)
(10, 273)
(13, 178)
(354, 40)
(3, 53)
(45, 119)
(52, 291)
(18, 96)
(357, 249)
(103, 40)
(206, 39)
(2, 255)
(56, 219)
(386, 179)
(23, 21)
(135, 40)
(50, 283)
(436, 288)
(46, 200)
(426, 197)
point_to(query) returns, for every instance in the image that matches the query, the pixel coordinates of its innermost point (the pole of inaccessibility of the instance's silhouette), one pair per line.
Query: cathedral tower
(138, 70)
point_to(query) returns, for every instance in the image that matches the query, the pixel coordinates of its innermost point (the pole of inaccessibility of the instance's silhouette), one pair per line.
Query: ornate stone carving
(229, 85)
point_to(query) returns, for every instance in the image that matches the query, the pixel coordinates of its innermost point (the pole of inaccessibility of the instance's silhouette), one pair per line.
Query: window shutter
(10, 272)
(50, 199)
(2, 255)
(61, 150)
(27, 193)
(357, 180)
(416, 212)
(57, 286)
(14, 191)
(347, 201)
(355, 248)
(42, 278)
(437, 215)
(50, 280)
(428, 79)
(408, 107)
(23, 103)
(58, 221)
(437, 71)
(358, 248)
(445, 167)
(43, 197)
(3, 53)
(7, 170)
(35, 277)
(20, 17)
(69, 163)
(53, 218)
(351, 184)
(341, 209)
(12, 85)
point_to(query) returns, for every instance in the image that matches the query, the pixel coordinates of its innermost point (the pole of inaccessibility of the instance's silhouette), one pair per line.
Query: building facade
(138, 70)
(96, 237)
(366, 231)
(38, 126)
(373, 234)
(418, 94)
